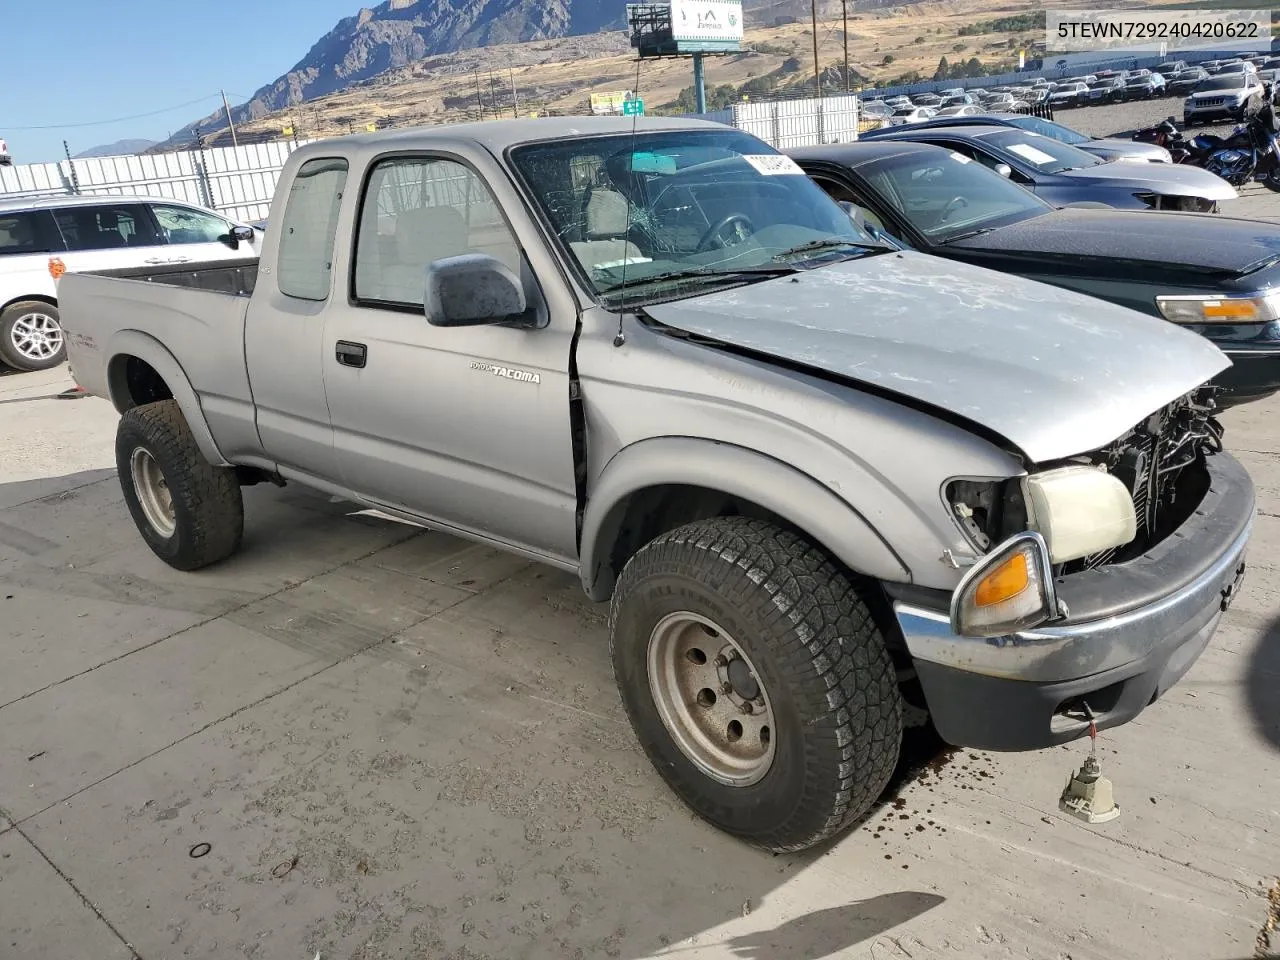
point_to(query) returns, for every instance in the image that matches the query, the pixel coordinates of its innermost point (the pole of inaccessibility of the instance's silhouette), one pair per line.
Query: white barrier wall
(237, 181)
(793, 123)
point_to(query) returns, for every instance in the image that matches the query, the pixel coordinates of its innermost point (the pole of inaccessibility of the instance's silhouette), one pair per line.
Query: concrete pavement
(397, 744)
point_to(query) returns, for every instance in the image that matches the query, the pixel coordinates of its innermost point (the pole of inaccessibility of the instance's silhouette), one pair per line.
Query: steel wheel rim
(153, 492)
(703, 685)
(36, 336)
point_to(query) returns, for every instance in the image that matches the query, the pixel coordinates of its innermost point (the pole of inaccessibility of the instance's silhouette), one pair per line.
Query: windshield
(1044, 154)
(1232, 82)
(1047, 128)
(709, 206)
(945, 194)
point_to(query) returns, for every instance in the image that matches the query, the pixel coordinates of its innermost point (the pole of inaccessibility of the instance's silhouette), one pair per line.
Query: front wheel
(756, 680)
(31, 336)
(188, 511)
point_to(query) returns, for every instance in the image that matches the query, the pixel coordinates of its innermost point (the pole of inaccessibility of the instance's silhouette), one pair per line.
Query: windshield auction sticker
(771, 164)
(1157, 31)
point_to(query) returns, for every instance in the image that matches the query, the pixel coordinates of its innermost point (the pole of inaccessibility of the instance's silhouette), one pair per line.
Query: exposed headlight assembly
(1079, 510)
(1211, 309)
(1070, 512)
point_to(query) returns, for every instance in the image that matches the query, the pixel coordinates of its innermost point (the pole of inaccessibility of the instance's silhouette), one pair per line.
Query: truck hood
(1164, 179)
(1171, 242)
(1053, 372)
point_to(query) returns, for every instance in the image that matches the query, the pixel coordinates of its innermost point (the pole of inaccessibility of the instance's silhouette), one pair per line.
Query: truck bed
(236, 277)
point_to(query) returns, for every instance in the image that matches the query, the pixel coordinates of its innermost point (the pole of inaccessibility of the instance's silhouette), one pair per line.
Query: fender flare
(134, 343)
(791, 494)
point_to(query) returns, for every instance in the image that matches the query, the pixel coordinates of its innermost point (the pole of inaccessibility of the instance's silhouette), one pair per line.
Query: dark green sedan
(1219, 276)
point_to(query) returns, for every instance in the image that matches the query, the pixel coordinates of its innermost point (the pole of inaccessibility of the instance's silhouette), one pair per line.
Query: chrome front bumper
(1132, 630)
(1050, 654)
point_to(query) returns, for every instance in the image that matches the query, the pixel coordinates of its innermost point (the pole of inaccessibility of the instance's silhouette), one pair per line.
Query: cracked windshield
(649, 214)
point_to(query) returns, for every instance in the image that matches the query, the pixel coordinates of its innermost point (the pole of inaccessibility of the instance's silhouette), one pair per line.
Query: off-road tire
(819, 655)
(9, 354)
(207, 506)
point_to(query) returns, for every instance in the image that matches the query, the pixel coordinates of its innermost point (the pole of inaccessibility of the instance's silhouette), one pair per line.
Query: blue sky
(79, 61)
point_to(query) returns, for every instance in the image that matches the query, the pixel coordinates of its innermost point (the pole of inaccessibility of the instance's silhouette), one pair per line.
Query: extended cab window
(106, 227)
(305, 259)
(415, 211)
(27, 232)
(185, 225)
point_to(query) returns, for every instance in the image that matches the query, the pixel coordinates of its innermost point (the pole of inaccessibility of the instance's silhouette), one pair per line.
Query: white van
(39, 239)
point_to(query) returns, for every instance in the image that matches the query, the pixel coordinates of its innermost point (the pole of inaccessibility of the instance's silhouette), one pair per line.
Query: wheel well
(133, 382)
(33, 298)
(652, 511)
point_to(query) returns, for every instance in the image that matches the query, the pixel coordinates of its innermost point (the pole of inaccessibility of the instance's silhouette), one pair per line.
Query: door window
(187, 225)
(30, 231)
(304, 265)
(417, 210)
(106, 227)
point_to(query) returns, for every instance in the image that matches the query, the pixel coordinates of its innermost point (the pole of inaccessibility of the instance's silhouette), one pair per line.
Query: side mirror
(472, 290)
(1004, 170)
(238, 235)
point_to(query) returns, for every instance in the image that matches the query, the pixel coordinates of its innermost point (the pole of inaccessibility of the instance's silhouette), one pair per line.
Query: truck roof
(497, 135)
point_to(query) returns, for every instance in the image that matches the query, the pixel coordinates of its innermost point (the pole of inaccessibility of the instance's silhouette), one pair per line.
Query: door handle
(351, 354)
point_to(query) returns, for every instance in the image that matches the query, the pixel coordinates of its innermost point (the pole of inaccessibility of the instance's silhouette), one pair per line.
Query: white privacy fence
(794, 123)
(238, 181)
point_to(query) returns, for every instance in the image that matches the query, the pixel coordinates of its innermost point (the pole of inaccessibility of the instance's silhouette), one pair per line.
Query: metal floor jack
(1088, 794)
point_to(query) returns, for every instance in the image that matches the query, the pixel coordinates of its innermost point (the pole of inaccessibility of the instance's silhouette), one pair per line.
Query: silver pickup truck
(820, 481)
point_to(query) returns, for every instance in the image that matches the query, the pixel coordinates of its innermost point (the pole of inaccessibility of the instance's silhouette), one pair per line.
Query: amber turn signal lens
(56, 267)
(1005, 581)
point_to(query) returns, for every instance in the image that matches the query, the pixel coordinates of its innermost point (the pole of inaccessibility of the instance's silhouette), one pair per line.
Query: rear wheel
(31, 336)
(756, 680)
(188, 511)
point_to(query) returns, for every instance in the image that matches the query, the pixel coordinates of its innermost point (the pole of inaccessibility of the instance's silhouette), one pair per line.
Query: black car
(1183, 82)
(1215, 275)
(1104, 90)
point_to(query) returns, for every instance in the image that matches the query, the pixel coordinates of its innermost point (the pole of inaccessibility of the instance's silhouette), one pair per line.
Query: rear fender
(794, 496)
(133, 343)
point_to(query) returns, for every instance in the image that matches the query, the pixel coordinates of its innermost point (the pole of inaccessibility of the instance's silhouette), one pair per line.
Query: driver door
(464, 426)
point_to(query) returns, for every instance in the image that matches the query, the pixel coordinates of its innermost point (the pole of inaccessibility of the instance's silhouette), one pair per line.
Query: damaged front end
(1161, 462)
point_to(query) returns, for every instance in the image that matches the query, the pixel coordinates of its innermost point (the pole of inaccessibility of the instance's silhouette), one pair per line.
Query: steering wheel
(954, 204)
(747, 228)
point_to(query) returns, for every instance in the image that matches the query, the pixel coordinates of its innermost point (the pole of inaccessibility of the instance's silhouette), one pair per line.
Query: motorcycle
(1250, 152)
(1166, 134)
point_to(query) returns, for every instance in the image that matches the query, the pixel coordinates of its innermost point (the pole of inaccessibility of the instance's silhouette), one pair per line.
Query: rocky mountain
(118, 149)
(399, 32)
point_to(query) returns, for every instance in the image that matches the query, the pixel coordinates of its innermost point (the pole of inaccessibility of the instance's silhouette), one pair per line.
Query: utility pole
(493, 94)
(515, 97)
(844, 10)
(479, 95)
(817, 70)
(227, 107)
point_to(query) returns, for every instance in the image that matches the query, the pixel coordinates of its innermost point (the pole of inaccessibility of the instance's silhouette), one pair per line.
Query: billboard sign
(706, 25)
(609, 103)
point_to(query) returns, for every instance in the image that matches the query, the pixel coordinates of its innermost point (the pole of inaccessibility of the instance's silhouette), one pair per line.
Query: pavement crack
(78, 892)
(248, 706)
(1136, 847)
(200, 623)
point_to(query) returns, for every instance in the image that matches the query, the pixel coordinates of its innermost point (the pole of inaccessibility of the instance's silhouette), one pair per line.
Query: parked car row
(40, 239)
(824, 462)
(1171, 78)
